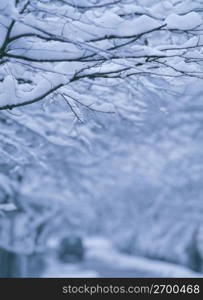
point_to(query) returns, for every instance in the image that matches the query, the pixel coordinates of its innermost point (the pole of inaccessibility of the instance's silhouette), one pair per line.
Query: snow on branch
(54, 44)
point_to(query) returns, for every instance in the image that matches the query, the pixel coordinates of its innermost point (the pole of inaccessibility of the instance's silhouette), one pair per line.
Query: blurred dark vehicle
(71, 249)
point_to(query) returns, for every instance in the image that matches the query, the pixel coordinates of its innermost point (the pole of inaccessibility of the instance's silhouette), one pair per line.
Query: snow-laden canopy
(47, 47)
(105, 129)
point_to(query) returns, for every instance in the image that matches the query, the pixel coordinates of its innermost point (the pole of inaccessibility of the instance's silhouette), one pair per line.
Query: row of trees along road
(82, 83)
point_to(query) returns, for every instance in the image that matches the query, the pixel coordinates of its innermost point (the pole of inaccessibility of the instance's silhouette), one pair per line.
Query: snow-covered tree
(83, 85)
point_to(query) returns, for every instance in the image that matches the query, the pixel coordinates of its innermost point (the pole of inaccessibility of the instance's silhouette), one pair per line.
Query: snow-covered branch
(55, 44)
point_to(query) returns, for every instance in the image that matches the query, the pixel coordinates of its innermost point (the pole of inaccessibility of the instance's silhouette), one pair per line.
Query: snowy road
(107, 270)
(103, 260)
(93, 269)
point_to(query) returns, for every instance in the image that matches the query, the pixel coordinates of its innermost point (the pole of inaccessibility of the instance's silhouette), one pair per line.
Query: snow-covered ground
(103, 260)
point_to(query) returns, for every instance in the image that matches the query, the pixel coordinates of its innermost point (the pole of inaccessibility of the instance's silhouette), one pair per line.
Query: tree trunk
(12, 264)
